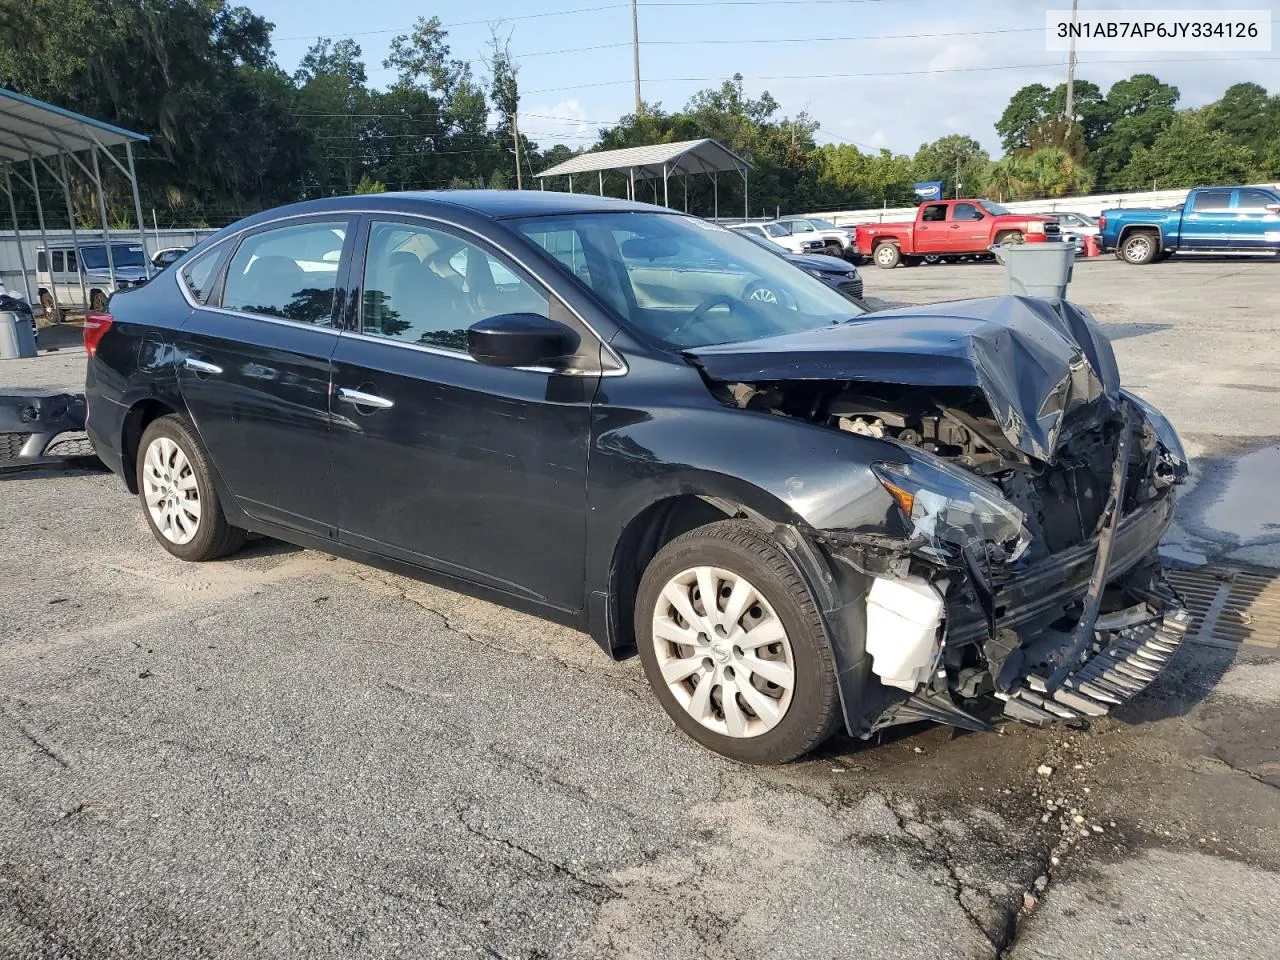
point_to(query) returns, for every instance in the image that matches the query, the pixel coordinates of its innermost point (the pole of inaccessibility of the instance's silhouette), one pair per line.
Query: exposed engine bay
(1062, 499)
(916, 610)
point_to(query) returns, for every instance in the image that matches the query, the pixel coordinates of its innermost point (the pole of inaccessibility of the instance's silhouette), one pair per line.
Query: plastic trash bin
(17, 339)
(1037, 269)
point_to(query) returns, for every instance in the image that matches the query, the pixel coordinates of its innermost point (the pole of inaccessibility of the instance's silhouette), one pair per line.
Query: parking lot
(283, 753)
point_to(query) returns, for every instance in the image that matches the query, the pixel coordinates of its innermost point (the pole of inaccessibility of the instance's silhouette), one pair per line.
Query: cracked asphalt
(284, 755)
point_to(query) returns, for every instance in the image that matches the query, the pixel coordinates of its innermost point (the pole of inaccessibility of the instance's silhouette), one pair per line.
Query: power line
(459, 23)
(896, 73)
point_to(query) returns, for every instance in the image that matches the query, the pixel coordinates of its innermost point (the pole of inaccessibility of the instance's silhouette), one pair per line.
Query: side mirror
(520, 340)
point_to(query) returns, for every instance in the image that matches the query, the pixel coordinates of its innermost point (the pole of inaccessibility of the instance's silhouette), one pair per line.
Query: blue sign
(931, 190)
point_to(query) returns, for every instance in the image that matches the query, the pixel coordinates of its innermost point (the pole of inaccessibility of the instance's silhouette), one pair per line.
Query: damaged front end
(1026, 495)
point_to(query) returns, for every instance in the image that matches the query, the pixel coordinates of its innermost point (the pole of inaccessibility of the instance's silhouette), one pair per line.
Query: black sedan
(832, 271)
(635, 422)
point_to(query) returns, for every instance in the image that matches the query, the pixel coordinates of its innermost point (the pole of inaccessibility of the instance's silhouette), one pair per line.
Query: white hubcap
(884, 254)
(172, 495)
(723, 652)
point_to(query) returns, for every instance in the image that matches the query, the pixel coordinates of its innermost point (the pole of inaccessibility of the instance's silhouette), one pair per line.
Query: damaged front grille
(1129, 650)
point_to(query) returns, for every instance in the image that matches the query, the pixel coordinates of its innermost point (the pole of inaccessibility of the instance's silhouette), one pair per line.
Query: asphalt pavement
(286, 755)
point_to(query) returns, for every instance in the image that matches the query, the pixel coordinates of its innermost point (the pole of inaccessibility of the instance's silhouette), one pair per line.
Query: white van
(59, 272)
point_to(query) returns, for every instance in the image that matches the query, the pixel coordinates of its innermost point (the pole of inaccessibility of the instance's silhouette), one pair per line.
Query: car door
(473, 470)
(966, 229)
(1255, 227)
(931, 229)
(1207, 224)
(254, 368)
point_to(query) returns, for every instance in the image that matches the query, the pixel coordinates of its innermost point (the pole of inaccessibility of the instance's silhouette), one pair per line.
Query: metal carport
(33, 132)
(660, 160)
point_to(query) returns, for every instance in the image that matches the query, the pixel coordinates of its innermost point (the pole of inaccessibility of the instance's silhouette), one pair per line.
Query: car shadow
(1124, 331)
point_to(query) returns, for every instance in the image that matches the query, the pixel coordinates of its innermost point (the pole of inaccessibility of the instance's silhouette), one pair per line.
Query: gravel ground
(284, 755)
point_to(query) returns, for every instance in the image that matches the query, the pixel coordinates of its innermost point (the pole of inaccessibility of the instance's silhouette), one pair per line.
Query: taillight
(95, 325)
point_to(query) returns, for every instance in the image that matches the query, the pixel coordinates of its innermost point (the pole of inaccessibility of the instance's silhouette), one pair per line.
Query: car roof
(492, 204)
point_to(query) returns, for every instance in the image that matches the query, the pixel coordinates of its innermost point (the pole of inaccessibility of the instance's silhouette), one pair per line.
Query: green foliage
(232, 133)
(1188, 153)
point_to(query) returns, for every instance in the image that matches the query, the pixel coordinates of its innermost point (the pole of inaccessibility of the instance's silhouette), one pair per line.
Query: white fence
(10, 264)
(1091, 205)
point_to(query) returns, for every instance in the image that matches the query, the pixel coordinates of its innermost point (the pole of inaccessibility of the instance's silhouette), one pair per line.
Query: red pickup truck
(950, 228)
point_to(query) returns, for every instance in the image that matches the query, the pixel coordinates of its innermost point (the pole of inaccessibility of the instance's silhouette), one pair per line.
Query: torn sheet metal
(1036, 362)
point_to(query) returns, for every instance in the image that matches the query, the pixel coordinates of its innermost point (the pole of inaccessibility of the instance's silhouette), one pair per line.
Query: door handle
(364, 399)
(200, 366)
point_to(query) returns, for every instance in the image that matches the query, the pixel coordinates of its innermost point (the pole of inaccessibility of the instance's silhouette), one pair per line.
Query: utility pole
(515, 136)
(957, 176)
(1071, 69)
(635, 54)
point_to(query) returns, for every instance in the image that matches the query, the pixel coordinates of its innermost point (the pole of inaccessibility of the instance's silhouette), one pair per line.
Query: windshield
(823, 224)
(993, 208)
(124, 255)
(684, 281)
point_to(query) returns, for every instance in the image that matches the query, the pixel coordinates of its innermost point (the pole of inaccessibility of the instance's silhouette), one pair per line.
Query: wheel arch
(1129, 229)
(140, 416)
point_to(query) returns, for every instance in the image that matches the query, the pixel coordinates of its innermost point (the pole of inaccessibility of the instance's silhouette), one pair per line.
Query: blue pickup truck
(1243, 220)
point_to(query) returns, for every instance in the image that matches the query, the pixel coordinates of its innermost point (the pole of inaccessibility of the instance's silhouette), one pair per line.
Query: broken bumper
(34, 428)
(1130, 649)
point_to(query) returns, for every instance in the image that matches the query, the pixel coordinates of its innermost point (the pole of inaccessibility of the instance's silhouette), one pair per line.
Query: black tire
(1012, 237)
(833, 249)
(50, 311)
(214, 536)
(886, 255)
(97, 301)
(739, 547)
(1140, 248)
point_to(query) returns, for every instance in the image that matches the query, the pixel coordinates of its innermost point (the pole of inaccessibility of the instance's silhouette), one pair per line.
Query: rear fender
(1128, 228)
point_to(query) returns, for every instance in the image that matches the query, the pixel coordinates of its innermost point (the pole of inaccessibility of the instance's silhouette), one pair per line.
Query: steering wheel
(699, 313)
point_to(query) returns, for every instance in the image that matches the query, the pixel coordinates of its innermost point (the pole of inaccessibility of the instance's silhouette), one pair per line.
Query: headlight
(1165, 435)
(1035, 226)
(953, 509)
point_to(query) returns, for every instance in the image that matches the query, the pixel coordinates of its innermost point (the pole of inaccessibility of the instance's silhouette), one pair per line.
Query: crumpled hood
(1035, 361)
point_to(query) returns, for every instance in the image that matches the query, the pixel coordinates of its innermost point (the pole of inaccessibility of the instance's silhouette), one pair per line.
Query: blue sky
(566, 95)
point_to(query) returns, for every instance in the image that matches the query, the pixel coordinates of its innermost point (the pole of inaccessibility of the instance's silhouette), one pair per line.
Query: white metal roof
(687, 156)
(33, 128)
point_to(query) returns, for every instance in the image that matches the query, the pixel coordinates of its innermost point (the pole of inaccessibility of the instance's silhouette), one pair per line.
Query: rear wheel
(47, 305)
(887, 256)
(1140, 248)
(178, 498)
(733, 645)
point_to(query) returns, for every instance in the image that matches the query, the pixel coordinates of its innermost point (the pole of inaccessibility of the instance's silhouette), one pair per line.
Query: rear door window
(1253, 201)
(71, 261)
(288, 272)
(58, 266)
(201, 274)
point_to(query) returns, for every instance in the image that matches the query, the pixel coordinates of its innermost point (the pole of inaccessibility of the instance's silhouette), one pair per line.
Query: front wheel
(178, 498)
(733, 645)
(97, 301)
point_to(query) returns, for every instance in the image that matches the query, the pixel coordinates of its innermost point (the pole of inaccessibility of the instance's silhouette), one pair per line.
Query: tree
(332, 104)
(948, 157)
(1142, 107)
(1246, 115)
(504, 90)
(1186, 154)
(366, 186)
(1026, 108)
